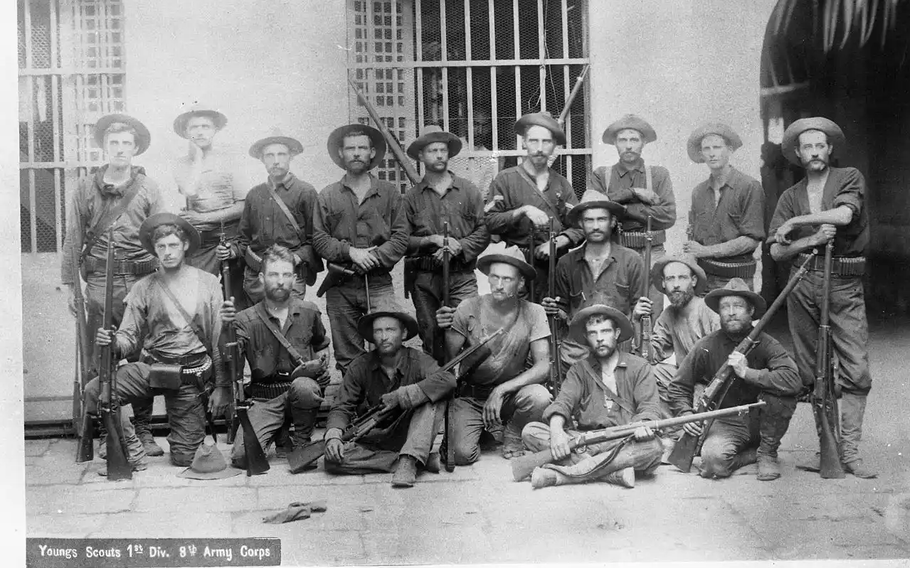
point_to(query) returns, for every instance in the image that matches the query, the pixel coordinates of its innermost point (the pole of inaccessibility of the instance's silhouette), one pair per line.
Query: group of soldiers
(275, 238)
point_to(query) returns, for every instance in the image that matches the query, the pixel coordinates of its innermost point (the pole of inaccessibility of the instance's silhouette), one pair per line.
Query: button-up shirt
(218, 185)
(263, 223)
(845, 186)
(91, 201)
(617, 181)
(737, 209)
(770, 369)
(461, 205)
(675, 332)
(517, 188)
(585, 397)
(341, 222)
(151, 314)
(365, 382)
(303, 329)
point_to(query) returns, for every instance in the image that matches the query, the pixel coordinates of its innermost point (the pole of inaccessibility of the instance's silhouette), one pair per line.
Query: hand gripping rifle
(687, 446)
(824, 399)
(524, 465)
(645, 349)
(555, 362)
(118, 467)
(82, 421)
(307, 455)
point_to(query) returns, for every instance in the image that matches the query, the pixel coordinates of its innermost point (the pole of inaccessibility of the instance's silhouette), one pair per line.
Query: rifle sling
(284, 208)
(109, 217)
(184, 314)
(295, 355)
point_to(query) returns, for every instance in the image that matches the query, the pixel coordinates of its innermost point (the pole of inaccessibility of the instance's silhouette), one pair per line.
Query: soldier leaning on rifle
(726, 221)
(121, 196)
(608, 388)
(502, 389)
(212, 188)
(829, 204)
(408, 384)
(439, 198)
(358, 223)
(598, 272)
(767, 372)
(525, 197)
(279, 211)
(280, 386)
(176, 310)
(643, 190)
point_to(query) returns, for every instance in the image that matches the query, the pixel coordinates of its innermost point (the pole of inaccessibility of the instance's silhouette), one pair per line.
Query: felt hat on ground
(577, 327)
(143, 138)
(198, 109)
(630, 121)
(736, 287)
(657, 272)
(791, 135)
(336, 139)
(719, 128)
(365, 325)
(432, 133)
(544, 119)
(148, 227)
(592, 199)
(209, 463)
(511, 255)
(276, 137)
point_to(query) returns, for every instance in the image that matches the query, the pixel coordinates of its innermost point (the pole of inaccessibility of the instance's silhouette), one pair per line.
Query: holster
(166, 376)
(337, 274)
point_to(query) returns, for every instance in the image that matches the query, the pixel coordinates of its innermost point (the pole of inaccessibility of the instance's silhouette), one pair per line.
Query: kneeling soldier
(767, 372)
(280, 337)
(608, 388)
(408, 384)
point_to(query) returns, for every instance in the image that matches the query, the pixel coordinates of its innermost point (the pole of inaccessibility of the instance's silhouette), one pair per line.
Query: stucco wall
(678, 64)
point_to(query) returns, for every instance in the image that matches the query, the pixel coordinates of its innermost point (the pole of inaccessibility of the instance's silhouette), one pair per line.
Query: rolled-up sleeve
(570, 393)
(851, 191)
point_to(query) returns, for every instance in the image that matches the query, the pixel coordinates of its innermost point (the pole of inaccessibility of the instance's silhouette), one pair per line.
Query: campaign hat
(791, 135)
(276, 136)
(544, 119)
(511, 255)
(198, 109)
(365, 325)
(432, 133)
(657, 272)
(736, 287)
(630, 121)
(148, 227)
(719, 128)
(143, 138)
(578, 323)
(593, 199)
(208, 463)
(336, 139)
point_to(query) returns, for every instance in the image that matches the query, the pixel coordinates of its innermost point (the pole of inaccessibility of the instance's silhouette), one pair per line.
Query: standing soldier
(645, 191)
(726, 221)
(358, 226)
(209, 182)
(118, 195)
(828, 204)
(441, 198)
(279, 211)
(525, 197)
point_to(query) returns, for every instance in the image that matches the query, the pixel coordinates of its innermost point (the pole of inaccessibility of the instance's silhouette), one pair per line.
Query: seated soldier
(283, 383)
(407, 383)
(767, 372)
(608, 388)
(501, 389)
(180, 332)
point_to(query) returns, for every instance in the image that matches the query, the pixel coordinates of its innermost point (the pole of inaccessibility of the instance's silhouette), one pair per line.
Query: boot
(433, 463)
(859, 470)
(304, 424)
(852, 410)
(773, 423)
(405, 472)
(768, 468)
(542, 477)
(142, 418)
(623, 478)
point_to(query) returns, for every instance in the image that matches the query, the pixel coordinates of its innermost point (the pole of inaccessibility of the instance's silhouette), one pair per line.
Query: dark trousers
(346, 304)
(427, 298)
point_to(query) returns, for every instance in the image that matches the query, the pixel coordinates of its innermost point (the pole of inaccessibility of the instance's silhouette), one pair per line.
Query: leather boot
(405, 472)
(304, 424)
(774, 421)
(142, 419)
(768, 468)
(623, 478)
(542, 477)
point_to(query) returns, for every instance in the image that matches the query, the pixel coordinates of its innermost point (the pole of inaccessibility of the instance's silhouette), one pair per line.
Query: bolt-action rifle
(450, 406)
(555, 362)
(229, 355)
(687, 446)
(82, 421)
(645, 349)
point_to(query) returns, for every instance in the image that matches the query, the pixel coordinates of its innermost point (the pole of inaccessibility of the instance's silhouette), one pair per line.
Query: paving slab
(72, 500)
(165, 523)
(64, 525)
(195, 500)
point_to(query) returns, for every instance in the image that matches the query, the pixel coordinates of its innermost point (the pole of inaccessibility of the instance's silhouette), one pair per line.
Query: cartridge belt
(840, 265)
(430, 264)
(728, 269)
(137, 267)
(269, 390)
(639, 239)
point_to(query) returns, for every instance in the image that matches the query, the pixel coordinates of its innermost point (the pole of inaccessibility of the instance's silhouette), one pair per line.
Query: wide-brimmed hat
(544, 119)
(148, 227)
(592, 199)
(719, 128)
(511, 255)
(198, 109)
(657, 272)
(209, 463)
(365, 325)
(143, 138)
(336, 139)
(736, 287)
(791, 135)
(628, 121)
(276, 137)
(577, 326)
(432, 133)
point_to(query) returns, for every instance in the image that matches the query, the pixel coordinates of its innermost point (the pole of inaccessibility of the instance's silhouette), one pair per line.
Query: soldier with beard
(280, 385)
(767, 372)
(441, 197)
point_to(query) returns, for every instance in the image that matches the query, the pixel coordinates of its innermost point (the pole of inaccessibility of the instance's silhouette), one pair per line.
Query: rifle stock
(524, 465)
(824, 401)
(686, 447)
(82, 421)
(555, 362)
